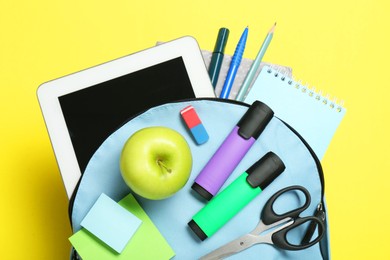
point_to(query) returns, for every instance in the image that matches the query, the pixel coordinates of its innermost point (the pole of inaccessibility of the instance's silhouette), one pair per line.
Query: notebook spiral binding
(305, 89)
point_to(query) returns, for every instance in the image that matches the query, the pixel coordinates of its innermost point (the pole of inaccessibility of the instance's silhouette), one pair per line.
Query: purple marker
(232, 150)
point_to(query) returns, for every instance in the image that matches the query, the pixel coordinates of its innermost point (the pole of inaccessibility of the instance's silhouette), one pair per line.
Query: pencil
(255, 65)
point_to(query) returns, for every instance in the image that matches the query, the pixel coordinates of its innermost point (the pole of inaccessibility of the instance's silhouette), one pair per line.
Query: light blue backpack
(171, 215)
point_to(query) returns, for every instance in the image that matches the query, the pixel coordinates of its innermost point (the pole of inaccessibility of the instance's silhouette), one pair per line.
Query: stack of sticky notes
(194, 124)
(119, 231)
(111, 223)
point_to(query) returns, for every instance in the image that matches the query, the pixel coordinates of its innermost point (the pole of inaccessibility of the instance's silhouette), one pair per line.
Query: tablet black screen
(93, 113)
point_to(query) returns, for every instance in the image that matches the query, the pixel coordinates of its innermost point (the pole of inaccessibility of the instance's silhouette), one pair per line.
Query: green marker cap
(265, 170)
(220, 44)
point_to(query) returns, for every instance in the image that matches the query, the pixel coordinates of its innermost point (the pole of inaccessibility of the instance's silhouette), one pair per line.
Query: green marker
(236, 196)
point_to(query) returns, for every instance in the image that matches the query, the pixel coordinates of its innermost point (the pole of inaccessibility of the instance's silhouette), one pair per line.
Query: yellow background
(338, 46)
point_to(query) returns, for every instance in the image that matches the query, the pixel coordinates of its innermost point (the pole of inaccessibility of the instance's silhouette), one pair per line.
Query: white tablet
(82, 109)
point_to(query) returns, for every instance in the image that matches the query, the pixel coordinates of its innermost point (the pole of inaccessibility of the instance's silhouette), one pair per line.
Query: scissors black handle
(279, 238)
(269, 216)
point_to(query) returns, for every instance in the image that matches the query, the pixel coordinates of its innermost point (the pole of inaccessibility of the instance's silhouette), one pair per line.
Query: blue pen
(234, 64)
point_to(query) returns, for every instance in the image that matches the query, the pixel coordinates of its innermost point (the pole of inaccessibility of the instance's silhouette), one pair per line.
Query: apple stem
(162, 165)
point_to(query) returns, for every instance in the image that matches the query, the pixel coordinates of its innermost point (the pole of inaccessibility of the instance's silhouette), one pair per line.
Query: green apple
(156, 162)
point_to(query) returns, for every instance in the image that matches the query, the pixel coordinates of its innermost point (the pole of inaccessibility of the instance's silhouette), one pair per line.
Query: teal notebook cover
(314, 116)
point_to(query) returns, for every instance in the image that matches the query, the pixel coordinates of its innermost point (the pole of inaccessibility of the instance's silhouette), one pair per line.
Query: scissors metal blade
(261, 227)
(248, 240)
(232, 247)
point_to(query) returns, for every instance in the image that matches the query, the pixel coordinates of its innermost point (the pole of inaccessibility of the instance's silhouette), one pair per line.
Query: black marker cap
(197, 230)
(222, 38)
(255, 120)
(265, 171)
(202, 191)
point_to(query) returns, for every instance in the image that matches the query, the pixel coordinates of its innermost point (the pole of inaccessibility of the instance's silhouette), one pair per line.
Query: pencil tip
(272, 28)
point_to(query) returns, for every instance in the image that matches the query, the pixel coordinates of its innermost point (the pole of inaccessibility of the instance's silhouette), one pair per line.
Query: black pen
(217, 57)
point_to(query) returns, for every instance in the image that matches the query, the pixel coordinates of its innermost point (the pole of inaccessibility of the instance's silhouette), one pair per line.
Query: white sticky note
(111, 223)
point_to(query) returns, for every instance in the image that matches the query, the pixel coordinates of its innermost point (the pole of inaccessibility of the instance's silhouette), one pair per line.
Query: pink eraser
(190, 116)
(194, 124)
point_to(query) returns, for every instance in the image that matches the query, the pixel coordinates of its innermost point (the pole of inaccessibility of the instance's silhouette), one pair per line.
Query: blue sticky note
(200, 134)
(111, 223)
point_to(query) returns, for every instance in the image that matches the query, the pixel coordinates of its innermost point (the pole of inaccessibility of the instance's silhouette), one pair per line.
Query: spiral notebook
(314, 116)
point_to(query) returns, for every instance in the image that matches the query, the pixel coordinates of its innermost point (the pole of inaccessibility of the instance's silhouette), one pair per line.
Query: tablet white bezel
(49, 93)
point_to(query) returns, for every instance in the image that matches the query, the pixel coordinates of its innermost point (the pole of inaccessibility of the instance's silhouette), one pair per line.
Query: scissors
(282, 223)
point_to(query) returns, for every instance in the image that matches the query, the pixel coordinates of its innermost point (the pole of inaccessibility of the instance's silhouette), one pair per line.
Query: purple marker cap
(254, 121)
